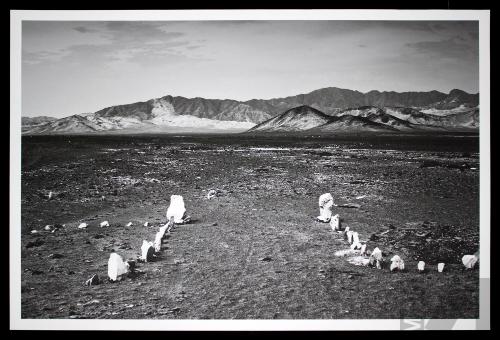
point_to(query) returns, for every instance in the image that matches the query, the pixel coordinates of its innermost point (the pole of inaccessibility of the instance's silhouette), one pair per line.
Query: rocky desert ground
(255, 251)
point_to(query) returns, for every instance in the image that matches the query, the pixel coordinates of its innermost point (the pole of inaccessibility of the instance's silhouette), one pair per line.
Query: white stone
(50, 195)
(356, 246)
(397, 263)
(116, 266)
(335, 222)
(421, 266)
(34, 231)
(83, 225)
(146, 224)
(158, 239)
(211, 194)
(376, 258)
(469, 261)
(350, 236)
(147, 251)
(177, 210)
(355, 237)
(129, 224)
(325, 207)
(363, 249)
(440, 267)
(104, 224)
(48, 227)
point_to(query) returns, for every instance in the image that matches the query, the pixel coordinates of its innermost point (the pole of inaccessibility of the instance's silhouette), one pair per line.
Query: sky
(71, 67)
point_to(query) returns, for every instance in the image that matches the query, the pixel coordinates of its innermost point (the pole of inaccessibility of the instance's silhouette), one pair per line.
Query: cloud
(83, 29)
(118, 41)
(453, 48)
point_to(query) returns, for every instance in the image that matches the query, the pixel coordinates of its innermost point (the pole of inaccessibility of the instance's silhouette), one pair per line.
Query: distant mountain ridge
(306, 119)
(200, 114)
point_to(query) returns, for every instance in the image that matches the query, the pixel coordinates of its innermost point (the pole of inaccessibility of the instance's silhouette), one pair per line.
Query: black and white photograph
(246, 166)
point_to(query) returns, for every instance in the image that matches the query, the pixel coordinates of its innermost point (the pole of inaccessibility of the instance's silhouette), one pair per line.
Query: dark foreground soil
(255, 251)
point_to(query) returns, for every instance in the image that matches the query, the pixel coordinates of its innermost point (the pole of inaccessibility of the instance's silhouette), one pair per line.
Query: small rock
(266, 259)
(104, 224)
(211, 194)
(129, 224)
(55, 256)
(440, 267)
(83, 226)
(94, 280)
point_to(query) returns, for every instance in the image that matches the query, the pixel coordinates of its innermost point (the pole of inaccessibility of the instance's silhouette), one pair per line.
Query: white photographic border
(17, 16)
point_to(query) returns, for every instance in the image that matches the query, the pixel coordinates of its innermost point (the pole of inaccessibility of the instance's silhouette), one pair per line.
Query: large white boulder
(470, 261)
(147, 251)
(421, 266)
(440, 267)
(177, 210)
(335, 222)
(325, 207)
(104, 224)
(83, 226)
(397, 263)
(116, 267)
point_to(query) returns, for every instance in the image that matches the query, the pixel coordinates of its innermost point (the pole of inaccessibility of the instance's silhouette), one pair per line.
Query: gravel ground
(255, 251)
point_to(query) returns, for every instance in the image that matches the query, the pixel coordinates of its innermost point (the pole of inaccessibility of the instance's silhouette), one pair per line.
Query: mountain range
(324, 110)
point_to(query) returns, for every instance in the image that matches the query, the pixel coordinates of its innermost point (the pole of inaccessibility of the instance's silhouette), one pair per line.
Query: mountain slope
(404, 111)
(297, 119)
(348, 123)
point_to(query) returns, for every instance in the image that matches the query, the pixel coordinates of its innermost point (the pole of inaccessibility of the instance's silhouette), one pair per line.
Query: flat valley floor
(255, 251)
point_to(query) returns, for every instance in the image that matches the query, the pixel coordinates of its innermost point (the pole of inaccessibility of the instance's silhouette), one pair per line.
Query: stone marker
(376, 258)
(470, 261)
(177, 210)
(335, 223)
(158, 239)
(363, 249)
(325, 207)
(421, 266)
(397, 263)
(116, 267)
(440, 267)
(147, 251)
(355, 241)
(350, 236)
